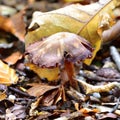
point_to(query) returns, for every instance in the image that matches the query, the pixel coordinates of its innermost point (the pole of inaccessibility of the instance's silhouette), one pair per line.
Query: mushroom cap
(53, 50)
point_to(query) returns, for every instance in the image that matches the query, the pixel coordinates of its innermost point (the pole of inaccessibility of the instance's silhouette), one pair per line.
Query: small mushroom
(60, 49)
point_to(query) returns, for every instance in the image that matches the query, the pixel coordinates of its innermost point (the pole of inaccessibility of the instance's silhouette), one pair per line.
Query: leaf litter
(25, 95)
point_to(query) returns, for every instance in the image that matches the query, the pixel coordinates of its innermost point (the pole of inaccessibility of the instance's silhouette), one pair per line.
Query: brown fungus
(59, 49)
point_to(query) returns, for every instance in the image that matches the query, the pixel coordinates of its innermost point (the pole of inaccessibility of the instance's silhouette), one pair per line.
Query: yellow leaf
(83, 20)
(49, 73)
(7, 74)
(3, 95)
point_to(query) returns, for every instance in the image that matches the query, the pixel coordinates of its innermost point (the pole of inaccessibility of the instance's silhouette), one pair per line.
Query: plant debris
(44, 70)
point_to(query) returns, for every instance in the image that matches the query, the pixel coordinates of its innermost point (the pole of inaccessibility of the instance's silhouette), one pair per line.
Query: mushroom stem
(69, 67)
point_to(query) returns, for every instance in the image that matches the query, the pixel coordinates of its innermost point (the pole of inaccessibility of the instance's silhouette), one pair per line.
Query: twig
(92, 76)
(19, 92)
(115, 55)
(70, 116)
(76, 95)
(110, 104)
(102, 88)
(116, 106)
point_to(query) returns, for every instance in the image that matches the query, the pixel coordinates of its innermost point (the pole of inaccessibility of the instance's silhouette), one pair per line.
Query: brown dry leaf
(47, 94)
(83, 20)
(13, 58)
(54, 96)
(49, 98)
(61, 95)
(40, 89)
(7, 74)
(15, 25)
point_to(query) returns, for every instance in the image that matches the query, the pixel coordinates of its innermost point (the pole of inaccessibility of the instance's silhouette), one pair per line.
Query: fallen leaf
(7, 74)
(61, 95)
(48, 95)
(53, 97)
(83, 20)
(16, 112)
(12, 59)
(49, 73)
(15, 25)
(40, 89)
(48, 99)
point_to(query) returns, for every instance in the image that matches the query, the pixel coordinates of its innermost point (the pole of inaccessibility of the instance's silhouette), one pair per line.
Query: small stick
(116, 106)
(19, 92)
(101, 88)
(92, 76)
(76, 95)
(115, 55)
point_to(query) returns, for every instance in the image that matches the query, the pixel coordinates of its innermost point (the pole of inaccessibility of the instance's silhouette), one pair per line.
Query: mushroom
(60, 49)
